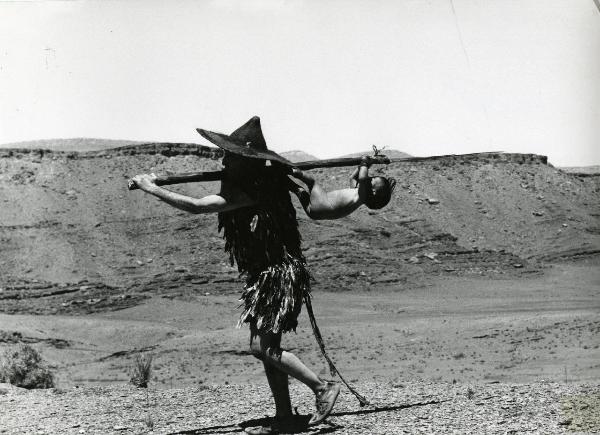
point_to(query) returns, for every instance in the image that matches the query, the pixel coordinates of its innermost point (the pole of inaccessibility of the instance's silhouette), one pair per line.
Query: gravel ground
(396, 408)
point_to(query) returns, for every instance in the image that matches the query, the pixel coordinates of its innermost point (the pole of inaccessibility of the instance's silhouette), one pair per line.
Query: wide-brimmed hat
(246, 141)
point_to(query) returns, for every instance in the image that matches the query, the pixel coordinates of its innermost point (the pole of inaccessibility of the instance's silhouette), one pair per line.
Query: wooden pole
(185, 177)
(339, 163)
(192, 177)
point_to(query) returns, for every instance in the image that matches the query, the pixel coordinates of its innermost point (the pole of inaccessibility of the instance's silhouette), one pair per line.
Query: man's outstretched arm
(228, 199)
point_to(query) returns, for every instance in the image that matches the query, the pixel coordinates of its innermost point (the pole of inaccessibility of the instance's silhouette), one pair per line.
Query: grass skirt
(272, 299)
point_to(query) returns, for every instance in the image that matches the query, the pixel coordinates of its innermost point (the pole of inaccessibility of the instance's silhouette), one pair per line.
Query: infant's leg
(318, 196)
(313, 201)
(307, 179)
(301, 193)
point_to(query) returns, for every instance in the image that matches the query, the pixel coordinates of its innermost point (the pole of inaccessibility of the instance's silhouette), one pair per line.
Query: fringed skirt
(272, 299)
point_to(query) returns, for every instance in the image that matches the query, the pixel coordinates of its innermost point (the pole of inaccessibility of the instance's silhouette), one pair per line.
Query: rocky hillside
(73, 144)
(298, 156)
(583, 171)
(69, 226)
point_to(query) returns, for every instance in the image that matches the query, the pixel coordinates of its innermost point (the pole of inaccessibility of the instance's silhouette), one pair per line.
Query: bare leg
(278, 382)
(319, 198)
(278, 365)
(315, 199)
(266, 347)
(301, 193)
(307, 179)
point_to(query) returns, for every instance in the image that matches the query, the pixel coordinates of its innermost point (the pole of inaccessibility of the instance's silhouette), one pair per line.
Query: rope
(377, 151)
(332, 368)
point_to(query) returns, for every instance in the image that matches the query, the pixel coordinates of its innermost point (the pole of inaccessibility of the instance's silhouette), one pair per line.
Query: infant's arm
(362, 178)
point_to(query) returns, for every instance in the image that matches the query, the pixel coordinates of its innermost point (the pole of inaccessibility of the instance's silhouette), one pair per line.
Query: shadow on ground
(302, 427)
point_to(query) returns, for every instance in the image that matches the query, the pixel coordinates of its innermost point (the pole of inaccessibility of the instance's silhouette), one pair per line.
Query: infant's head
(380, 192)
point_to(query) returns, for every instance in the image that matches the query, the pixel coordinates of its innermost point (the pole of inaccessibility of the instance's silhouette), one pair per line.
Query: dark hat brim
(236, 147)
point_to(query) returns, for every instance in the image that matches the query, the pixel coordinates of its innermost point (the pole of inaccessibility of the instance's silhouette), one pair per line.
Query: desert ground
(471, 304)
(491, 355)
(544, 328)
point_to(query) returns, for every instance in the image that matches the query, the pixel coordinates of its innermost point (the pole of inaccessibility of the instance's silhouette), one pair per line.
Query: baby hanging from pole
(374, 192)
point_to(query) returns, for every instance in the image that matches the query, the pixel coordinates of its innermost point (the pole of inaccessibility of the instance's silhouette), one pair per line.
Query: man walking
(261, 235)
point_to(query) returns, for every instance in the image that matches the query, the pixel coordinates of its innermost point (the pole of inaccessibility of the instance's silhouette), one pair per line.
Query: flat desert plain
(454, 339)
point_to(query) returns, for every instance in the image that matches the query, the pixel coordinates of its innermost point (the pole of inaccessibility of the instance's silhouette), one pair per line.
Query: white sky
(328, 77)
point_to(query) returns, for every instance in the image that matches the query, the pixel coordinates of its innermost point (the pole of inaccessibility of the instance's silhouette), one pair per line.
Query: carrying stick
(192, 177)
(185, 177)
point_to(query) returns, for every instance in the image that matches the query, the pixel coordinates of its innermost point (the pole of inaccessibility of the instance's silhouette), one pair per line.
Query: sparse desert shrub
(149, 422)
(141, 371)
(470, 393)
(23, 366)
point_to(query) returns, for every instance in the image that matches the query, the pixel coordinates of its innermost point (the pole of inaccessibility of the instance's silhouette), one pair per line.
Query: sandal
(324, 403)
